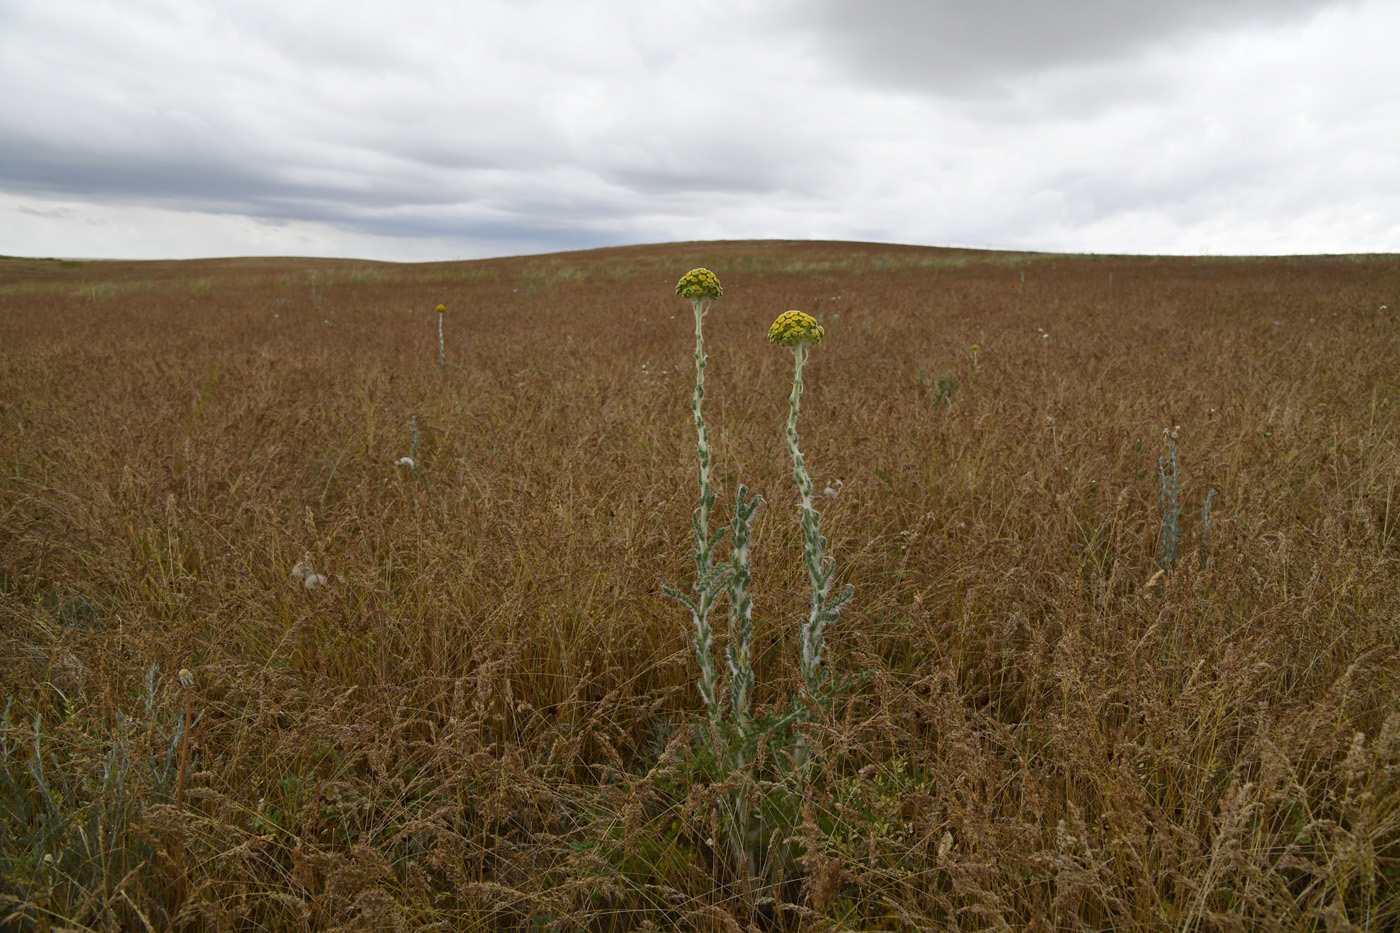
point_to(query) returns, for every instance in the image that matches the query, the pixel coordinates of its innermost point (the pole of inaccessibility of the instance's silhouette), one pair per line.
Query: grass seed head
(699, 283)
(795, 329)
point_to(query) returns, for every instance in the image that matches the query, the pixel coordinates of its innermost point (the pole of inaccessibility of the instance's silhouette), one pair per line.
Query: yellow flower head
(795, 329)
(441, 309)
(699, 283)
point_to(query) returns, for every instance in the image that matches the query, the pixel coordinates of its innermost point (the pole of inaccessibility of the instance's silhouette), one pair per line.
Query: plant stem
(706, 588)
(186, 679)
(184, 750)
(739, 650)
(810, 635)
(739, 655)
(819, 566)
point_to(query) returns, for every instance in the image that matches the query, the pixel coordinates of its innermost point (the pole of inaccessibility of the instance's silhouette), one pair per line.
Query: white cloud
(89, 230)
(442, 129)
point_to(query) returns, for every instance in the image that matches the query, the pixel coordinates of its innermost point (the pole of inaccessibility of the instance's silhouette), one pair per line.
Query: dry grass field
(485, 717)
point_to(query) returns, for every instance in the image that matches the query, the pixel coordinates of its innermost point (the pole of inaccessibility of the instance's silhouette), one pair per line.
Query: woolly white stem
(819, 569)
(706, 586)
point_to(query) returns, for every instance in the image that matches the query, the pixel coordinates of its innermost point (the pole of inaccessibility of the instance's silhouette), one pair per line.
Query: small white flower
(314, 580)
(834, 489)
(404, 461)
(302, 567)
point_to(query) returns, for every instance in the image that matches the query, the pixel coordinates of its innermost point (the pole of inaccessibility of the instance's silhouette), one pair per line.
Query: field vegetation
(451, 694)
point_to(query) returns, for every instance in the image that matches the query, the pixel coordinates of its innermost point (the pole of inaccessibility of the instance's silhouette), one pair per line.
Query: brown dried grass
(482, 720)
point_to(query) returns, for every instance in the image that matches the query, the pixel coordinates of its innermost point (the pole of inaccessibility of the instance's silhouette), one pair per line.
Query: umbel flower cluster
(795, 329)
(699, 283)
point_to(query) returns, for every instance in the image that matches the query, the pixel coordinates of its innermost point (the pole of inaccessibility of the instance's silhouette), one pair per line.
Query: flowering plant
(442, 346)
(799, 332)
(737, 738)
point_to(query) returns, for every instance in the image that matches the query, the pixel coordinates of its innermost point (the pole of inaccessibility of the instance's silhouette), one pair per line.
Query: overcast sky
(440, 129)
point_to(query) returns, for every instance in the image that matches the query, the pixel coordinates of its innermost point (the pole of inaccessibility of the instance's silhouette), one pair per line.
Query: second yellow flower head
(441, 309)
(794, 329)
(699, 283)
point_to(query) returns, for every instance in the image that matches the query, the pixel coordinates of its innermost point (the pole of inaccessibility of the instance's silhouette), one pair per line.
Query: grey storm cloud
(492, 126)
(957, 47)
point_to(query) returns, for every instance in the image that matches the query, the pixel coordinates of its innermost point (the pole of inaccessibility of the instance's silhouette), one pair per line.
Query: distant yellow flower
(795, 329)
(699, 283)
(441, 308)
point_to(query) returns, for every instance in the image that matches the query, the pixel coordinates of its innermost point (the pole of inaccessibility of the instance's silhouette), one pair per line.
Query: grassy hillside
(486, 715)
